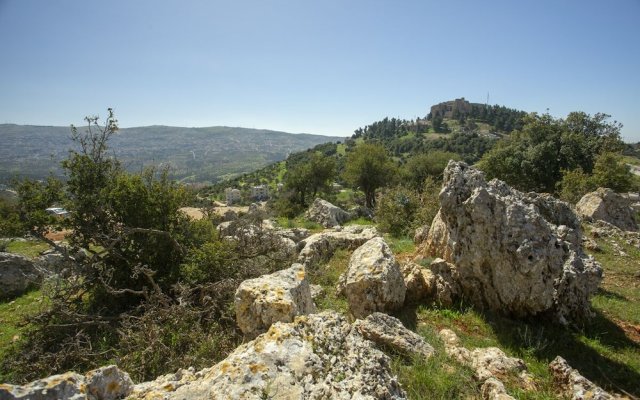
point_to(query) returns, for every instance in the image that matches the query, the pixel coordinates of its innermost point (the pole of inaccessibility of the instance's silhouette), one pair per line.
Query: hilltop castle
(453, 109)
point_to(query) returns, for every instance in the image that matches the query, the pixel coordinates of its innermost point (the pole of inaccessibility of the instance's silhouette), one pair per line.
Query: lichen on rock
(514, 253)
(280, 296)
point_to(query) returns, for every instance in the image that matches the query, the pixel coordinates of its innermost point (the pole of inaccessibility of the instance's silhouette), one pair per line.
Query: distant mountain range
(193, 154)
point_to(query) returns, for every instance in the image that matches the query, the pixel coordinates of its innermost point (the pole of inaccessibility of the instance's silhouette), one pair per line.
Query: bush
(574, 185)
(400, 210)
(395, 210)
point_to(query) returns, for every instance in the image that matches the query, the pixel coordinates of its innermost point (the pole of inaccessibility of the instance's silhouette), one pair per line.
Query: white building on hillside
(260, 192)
(232, 196)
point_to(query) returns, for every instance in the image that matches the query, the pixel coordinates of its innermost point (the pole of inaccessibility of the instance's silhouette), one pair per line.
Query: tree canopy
(369, 167)
(534, 158)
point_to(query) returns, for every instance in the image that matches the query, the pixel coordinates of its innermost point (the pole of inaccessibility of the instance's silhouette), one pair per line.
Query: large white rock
(326, 214)
(106, 383)
(280, 296)
(17, 274)
(373, 281)
(515, 253)
(321, 246)
(606, 205)
(320, 356)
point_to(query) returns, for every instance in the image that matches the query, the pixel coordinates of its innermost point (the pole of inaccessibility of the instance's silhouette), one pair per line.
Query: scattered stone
(487, 362)
(514, 253)
(389, 332)
(373, 281)
(106, 383)
(606, 205)
(320, 356)
(573, 384)
(590, 244)
(493, 389)
(419, 282)
(280, 296)
(17, 274)
(321, 246)
(326, 214)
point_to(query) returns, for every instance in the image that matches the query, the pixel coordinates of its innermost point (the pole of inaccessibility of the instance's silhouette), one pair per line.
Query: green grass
(605, 349)
(12, 315)
(360, 221)
(299, 222)
(402, 245)
(436, 378)
(326, 275)
(30, 248)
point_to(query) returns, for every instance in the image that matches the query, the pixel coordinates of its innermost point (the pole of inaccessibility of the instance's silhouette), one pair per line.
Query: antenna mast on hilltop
(487, 103)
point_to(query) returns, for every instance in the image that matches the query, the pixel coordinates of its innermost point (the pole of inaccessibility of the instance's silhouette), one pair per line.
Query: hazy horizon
(313, 67)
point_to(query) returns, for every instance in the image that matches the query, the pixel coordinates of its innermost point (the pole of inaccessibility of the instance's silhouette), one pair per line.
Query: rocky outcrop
(514, 253)
(321, 246)
(606, 205)
(17, 274)
(573, 385)
(280, 296)
(320, 356)
(106, 383)
(373, 281)
(420, 282)
(326, 214)
(445, 281)
(388, 332)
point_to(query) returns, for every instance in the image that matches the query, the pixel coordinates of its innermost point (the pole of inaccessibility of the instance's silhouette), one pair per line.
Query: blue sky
(324, 67)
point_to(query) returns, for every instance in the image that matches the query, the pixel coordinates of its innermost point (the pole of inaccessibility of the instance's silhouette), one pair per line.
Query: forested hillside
(192, 154)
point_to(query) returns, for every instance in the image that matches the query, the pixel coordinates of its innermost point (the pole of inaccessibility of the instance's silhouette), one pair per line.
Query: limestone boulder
(280, 296)
(17, 274)
(373, 280)
(514, 253)
(106, 383)
(388, 332)
(326, 214)
(319, 356)
(573, 384)
(420, 282)
(321, 246)
(608, 206)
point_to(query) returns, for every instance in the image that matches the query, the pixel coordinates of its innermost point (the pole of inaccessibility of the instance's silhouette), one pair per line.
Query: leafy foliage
(369, 168)
(533, 158)
(400, 210)
(423, 165)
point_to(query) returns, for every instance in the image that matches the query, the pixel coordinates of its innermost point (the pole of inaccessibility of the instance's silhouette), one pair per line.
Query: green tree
(309, 176)
(534, 158)
(34, 198)
(575, 184)
(368, 167)
(610, 171)
(422, 165)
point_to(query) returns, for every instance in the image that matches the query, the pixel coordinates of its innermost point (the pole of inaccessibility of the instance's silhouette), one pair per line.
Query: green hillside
(469, 136)
(193, 154)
